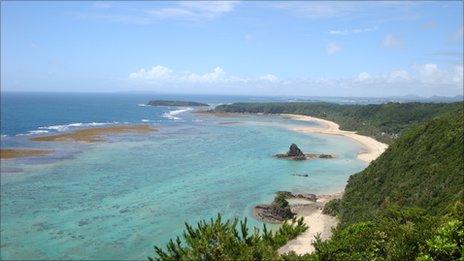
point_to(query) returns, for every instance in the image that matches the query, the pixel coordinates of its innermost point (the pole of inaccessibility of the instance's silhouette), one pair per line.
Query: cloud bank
(426, 79)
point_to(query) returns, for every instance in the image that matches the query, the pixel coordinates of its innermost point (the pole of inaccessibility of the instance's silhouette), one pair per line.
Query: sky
(364, 49)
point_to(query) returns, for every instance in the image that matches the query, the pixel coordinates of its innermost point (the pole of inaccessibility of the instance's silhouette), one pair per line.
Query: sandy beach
(372, 148)
(318, 222)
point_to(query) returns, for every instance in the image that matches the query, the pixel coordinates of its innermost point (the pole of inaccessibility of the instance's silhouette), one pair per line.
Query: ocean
(117, 199)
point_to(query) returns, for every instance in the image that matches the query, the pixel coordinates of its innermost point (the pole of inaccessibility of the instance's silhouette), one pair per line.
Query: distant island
(176, 103)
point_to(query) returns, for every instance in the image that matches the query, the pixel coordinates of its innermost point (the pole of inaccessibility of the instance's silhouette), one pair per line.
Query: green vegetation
(424, 168)
(407, 205)
(384, 122)
(281, 207)
(396, 234)
(332, 207)
(218, 240)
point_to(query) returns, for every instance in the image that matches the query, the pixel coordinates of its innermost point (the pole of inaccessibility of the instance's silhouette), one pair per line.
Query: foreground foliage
(396, 234)
(218, 240)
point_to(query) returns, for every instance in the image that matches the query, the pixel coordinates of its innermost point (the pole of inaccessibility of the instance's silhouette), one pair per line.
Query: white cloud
(458, 74)
(269, 78)
(191, 11)
(364, 76)
(102, 4)
(156, 72)
(392, 41)
(400, 75)
(431, 74)
(333, 48)
(352, 31)
(194, 10)
(216, 75)
(425, 79)
(318, 10)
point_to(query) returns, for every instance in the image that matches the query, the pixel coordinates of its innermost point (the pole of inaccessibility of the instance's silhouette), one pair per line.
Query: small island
(294, 153)
(176, 103)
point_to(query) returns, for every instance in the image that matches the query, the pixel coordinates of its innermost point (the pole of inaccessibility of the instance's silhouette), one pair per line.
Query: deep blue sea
(117, 199)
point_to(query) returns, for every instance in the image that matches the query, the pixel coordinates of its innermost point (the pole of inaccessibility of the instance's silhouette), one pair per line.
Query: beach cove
(118, 198)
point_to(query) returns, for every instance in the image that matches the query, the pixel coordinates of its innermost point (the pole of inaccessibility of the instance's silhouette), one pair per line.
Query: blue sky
(256, 48)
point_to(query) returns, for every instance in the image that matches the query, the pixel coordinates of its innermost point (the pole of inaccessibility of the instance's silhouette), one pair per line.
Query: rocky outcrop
(276, 212)
(307, 196)
(176, 103)
(294, 153)
(280, 210)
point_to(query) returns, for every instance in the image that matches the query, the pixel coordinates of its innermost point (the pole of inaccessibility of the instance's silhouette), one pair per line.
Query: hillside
(384, 122)
(424, 168)
(408, 204)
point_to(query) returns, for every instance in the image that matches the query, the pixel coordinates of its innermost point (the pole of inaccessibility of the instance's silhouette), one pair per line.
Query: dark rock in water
(300, 175)
(175, 103)
(294, 151)
(83, 222)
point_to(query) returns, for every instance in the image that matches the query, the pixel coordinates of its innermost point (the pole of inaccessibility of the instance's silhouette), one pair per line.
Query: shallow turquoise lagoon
(116, 200)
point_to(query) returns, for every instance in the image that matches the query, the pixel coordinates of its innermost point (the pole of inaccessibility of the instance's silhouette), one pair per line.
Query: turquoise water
(115, 200)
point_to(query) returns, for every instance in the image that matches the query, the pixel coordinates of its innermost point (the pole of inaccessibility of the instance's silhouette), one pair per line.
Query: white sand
(317, 222)
(372, 148)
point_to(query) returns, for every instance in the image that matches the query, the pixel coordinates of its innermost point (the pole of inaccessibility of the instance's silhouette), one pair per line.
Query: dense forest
(406, 205)
(384, 122)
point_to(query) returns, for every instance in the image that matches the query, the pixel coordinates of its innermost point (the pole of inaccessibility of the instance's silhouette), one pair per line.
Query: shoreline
(317, 222)
(373, 148)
